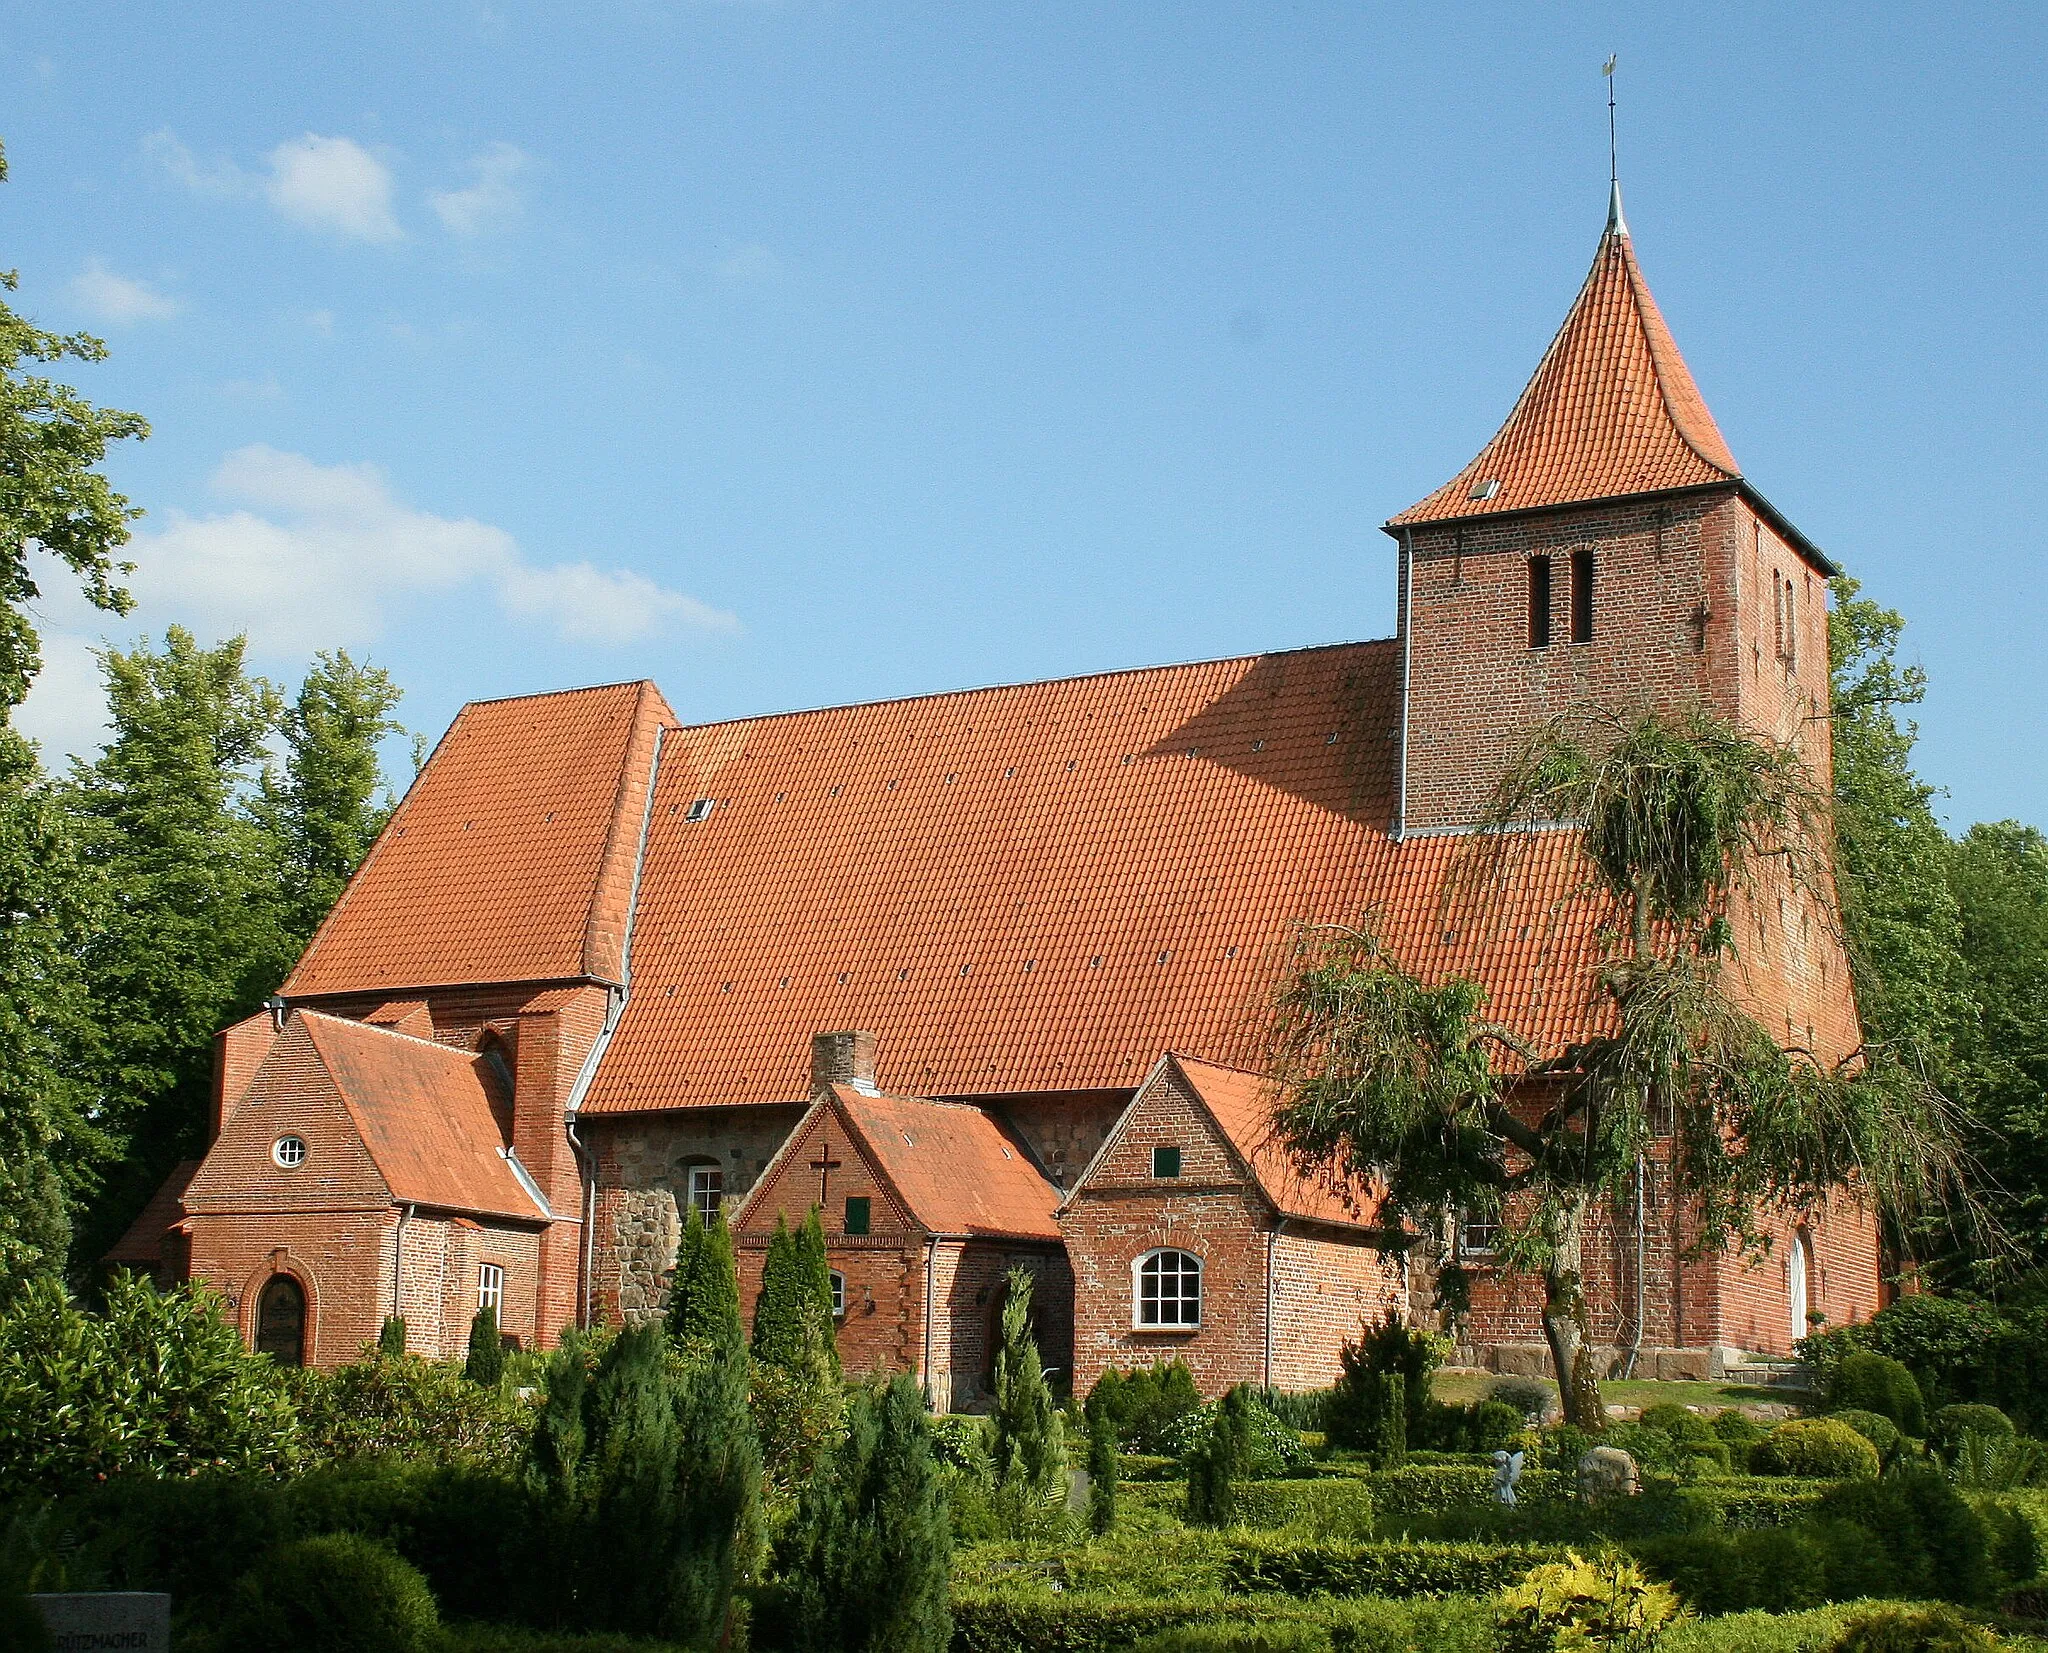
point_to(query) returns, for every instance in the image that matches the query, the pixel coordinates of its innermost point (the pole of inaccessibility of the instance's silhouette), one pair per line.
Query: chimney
(843, 1059)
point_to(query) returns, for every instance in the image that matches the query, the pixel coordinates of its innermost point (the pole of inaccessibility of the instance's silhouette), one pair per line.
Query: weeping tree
(1682, 824)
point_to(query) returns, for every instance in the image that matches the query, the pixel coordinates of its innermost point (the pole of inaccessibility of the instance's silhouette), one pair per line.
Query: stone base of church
(1662, 1364)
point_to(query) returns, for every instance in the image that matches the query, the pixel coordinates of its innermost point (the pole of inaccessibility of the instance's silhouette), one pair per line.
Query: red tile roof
(140, 1247)
(425, 1113)
(510, 859)
(1242, 1105)
(1039, 888)
(1611, 411)
(953, 1168)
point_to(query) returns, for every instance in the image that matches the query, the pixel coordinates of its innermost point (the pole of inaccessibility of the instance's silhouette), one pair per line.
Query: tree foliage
(1681, 822)
(865, 1562)
(156, 1384)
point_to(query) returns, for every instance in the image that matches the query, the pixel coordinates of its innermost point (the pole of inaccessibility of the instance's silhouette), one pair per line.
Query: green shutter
(856, 1213)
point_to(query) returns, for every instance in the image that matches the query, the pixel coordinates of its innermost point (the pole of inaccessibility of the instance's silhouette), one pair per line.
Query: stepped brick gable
(571, 991)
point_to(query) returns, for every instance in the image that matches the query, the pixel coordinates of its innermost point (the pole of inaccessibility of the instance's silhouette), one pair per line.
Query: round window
(289, 1151)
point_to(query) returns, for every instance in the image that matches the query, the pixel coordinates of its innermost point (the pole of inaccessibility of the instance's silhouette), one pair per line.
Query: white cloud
(493, 202)
(333, 184)
(66, 711)
(221, 178)
(329, 184)
(119, 300)
(314, 556)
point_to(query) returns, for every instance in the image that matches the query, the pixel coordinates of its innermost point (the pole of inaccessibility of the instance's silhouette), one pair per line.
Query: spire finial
(1615, 222)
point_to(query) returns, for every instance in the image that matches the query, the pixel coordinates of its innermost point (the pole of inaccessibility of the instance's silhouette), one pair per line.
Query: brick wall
(643, 1180)
(969, 1284)
(1325, 1285)
(342, 1260)
(1475, 686)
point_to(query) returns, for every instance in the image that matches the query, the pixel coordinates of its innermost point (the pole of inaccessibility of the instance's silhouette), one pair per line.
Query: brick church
(983, 975)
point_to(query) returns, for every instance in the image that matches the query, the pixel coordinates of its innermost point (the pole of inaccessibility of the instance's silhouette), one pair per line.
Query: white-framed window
(1478, 1237)
(1167, 1289)
(707, 1190)
(838, 1295)
(490, 1287)
(289, 1151)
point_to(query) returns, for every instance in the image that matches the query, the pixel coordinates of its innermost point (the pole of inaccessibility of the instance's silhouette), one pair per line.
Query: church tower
(1604, 548)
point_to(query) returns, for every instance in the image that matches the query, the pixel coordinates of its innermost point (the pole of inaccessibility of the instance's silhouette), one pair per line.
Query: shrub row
(1404, 1568)
(1337, 1508)
(1423, 1489)
(987, 1621)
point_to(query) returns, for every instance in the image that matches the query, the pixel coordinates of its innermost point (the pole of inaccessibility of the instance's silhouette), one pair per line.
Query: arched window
(1169, 1289)
(281, 1321)
(1798, 1266)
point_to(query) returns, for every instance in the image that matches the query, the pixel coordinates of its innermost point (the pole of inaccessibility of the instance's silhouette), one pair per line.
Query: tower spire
(1616, 224)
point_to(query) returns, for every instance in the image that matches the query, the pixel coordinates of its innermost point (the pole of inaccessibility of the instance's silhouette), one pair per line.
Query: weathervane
(1614, 219)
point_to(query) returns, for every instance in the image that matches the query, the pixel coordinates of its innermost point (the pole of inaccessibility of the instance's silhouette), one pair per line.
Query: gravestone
(107, 1622)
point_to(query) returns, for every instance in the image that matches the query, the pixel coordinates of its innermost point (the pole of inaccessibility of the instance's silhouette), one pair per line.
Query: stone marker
(107, 1622)
(1608, 1472)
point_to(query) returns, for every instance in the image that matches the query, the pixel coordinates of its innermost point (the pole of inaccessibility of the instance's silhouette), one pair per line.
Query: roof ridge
(1030, 683)
(557, 694)
(465, 1056)
(1646, 307)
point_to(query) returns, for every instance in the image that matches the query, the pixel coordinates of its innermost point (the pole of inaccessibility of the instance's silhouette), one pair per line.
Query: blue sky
(794, 353)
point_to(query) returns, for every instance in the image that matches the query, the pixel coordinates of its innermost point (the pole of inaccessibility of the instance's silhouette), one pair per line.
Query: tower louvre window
(1582, 595)
(1539, 602)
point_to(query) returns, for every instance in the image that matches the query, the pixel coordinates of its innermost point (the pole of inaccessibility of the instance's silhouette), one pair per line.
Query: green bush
(1388, 1347)
(1947, 1427)
(1670, 1417)
(1401, 1568)
(1814, 1447)
(1934, 1545)
(1774, 1569)
(1530, 1397)
(1326, 1507)
(1868, 1382)
(505, 1638)
(338, 1594)
(1606, 1602)
(415, 1408)
(1913, 1630)
(1146, 1405)
(1304, 1411)
(1695, 1445)
(1874, 1427)
(1740, 1432)
(156, 1384)
(486, 1361)
(1140, 1466)
(1428, 1489)
(1238, 1638)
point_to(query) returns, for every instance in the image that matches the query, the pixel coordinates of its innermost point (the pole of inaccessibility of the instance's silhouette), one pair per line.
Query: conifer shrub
(1868, 1382)
(1815, 1447)
(1102, 1472)
(486, 1363)
(1389, 1447)
(1935, 1547)
(1913, 1630)
(1216, 1466)
(1383, 1346)
(864, 1563)
(1145, 1405)
(335, 1594)
(1028, 1447)
(391, 1337)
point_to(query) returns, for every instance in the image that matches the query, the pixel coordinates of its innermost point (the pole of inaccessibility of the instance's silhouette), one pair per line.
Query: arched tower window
(1167, 1289)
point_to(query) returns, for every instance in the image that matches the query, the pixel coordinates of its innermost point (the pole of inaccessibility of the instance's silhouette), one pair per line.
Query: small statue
(1507, 1470)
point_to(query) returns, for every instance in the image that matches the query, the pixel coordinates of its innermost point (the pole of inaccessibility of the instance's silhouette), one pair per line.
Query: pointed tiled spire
(1611, 411)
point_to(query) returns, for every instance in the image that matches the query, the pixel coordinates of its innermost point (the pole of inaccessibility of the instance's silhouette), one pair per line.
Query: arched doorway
(1798, 1264)
(281, 1321)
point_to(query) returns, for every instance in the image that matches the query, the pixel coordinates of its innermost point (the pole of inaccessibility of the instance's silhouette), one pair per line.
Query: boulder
(1608, 1472)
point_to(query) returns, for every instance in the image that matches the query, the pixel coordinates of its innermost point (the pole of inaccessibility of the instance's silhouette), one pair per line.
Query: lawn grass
(1460, 1387)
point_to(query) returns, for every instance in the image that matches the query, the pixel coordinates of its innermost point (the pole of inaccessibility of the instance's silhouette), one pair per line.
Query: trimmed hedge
(1814, 1447)
(1145, 1466)
(1044, 1621)
(1326, 1506)
(1431, 1489)
(1379, 1569)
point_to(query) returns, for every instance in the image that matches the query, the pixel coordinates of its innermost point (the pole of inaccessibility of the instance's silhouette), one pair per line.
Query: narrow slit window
(1539, 602)
(856, 1213)
(1582, 596)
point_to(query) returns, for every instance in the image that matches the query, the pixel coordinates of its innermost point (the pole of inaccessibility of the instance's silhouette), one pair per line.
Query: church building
(985, 976)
